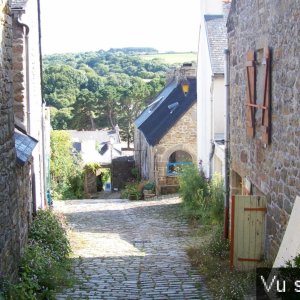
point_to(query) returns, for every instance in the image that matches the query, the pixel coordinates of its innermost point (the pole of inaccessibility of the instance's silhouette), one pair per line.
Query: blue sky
(74, 26)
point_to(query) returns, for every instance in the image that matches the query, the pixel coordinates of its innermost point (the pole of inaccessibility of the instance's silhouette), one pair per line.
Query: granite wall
(9, 212)
(273, 170)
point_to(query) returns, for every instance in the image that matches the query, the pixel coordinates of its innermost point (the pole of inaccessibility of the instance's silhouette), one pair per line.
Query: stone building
(8, 193)
(166, 133)
(31, 115)
(21, 150)
(264, 49)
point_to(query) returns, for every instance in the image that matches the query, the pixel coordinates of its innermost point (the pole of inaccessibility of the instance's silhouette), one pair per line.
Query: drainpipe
(43, 107)
(226, 150)
(212, 147)
(18, 13)
(45, 183)
(19, 22)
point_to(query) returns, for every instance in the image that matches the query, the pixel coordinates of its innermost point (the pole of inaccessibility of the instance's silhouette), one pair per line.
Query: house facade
(210, 87)
(263, 41)
(8, 192)
(31, 115)
(19, 179)
(97, 146)
(166, 133)
(103, 147)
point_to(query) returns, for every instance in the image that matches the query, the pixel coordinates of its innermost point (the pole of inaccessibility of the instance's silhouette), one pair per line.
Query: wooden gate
(247, 231)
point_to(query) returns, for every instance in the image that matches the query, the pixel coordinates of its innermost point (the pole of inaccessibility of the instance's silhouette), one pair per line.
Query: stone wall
(152, 161)
(182, 136)
(9, 234)
(15, 180)
(19, 76)
(273, 170)
(121, 171)
(25, 205)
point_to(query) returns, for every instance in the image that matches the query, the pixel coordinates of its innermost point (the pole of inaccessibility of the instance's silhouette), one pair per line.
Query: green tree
(109, 97)
(100, 89)
(65, 168)
(61, 118)
(85, 110)
(61, 84)
(132, 102)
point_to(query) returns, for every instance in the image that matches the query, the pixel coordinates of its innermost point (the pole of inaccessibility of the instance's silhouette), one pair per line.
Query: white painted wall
(210, 93)
(204, 74)
(90, 154)
(35, 99)
(219, 160)
(218, 105)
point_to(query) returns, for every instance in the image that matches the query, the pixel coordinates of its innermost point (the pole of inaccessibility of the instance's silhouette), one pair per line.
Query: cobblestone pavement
(130, 250)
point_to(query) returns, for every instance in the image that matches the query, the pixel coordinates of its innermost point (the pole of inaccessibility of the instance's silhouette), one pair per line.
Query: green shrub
(44, 264)
(75, 188)
(149, 186)
(294, 263)
(65, 168)
(202, 200)
(135, 173)
(48, 230)
(212, 260)
(193, 187)
(132, 190)
(216, 195)
(218, 246)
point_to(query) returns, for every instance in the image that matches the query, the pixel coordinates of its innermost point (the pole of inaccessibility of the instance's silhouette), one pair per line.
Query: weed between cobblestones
(212, 260)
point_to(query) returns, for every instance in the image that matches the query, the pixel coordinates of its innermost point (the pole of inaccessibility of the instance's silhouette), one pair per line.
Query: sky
(91, 25)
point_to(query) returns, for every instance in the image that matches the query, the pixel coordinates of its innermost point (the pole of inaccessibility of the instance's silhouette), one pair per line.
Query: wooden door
(247, 231)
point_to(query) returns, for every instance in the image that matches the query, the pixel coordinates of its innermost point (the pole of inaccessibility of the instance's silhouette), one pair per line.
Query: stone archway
(185, 148)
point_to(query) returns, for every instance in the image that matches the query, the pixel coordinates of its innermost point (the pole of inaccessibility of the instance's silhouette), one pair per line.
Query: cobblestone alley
(130, 250)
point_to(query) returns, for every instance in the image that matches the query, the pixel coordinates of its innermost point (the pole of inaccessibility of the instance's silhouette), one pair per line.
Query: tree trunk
(92, 122)
(111, 118)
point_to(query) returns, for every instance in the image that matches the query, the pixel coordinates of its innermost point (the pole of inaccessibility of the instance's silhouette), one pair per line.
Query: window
(177, 161)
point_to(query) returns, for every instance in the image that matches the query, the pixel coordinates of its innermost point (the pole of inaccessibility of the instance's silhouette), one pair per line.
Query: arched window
(177, 161)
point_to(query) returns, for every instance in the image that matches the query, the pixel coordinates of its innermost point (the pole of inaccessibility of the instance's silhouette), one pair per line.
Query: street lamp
(185, 85)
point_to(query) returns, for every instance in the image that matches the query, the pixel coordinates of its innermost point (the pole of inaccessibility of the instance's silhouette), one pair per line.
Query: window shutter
(266, 108)
(250, 98)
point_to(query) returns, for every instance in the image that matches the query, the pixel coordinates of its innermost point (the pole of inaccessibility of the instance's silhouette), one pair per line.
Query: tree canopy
(92, 90)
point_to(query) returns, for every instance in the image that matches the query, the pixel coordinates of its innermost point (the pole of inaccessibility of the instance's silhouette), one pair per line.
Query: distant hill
(134, 50)
(172, 57)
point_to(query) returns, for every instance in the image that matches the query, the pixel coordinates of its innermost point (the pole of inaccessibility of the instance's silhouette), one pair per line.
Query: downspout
(19, 22)
(28, 125)
(45, 173)
(45, 164)
(212, 148)
(140, 153)
(226, 150)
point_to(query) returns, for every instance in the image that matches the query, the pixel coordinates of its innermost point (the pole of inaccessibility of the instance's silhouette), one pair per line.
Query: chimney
(189, 69)
(226, 8)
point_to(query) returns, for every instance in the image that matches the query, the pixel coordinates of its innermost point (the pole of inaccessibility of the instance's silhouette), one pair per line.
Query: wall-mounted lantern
(185, 85)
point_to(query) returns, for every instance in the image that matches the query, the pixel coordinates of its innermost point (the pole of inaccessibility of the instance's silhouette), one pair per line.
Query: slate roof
(24, 146)
(156, 102)
(217, 41)
(157, 123)
(102, 136)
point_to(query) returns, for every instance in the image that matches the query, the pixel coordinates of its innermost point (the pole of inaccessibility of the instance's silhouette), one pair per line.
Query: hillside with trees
(100, 89)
